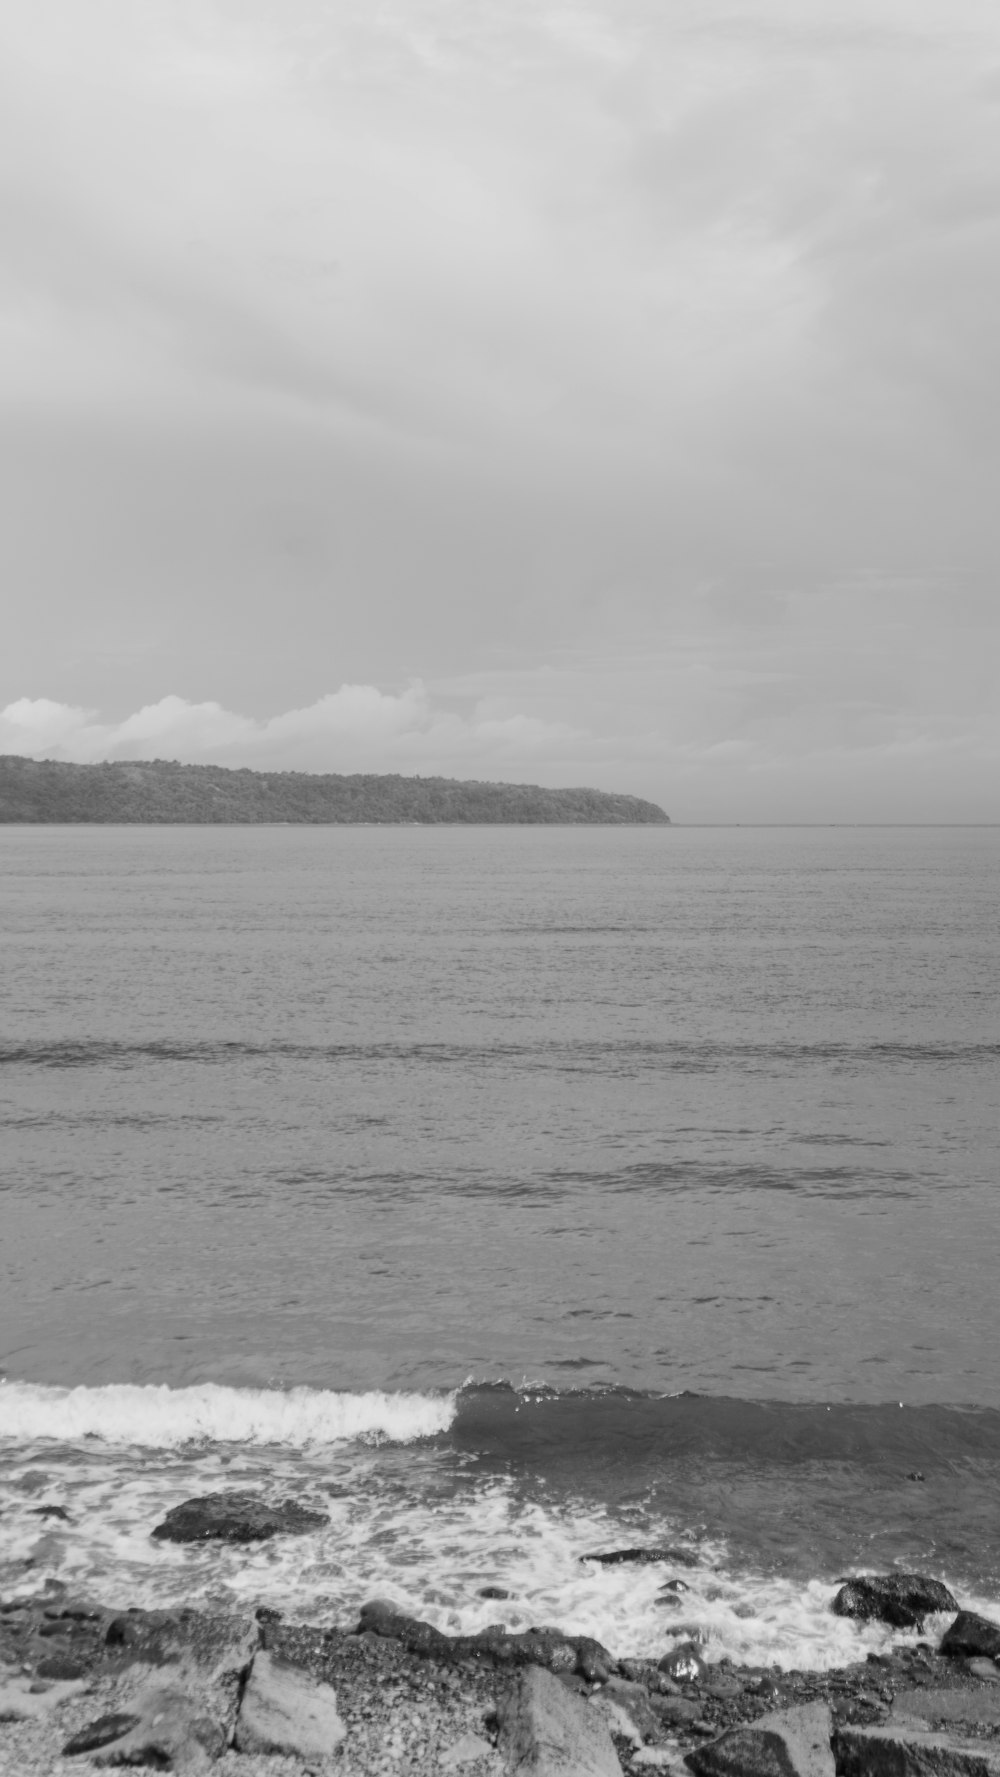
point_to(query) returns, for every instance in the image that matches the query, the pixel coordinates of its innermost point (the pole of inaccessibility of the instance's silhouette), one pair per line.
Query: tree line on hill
(161, 791)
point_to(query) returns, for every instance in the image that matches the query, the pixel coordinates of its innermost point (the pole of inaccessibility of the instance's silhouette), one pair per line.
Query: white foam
(407, 1524)
(158, 1417)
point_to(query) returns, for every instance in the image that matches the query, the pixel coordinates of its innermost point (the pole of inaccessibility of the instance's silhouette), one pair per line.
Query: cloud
(633, 361)
(358, 728)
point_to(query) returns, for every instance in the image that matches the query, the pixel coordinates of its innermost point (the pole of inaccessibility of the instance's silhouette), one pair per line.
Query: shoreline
(177, 1689)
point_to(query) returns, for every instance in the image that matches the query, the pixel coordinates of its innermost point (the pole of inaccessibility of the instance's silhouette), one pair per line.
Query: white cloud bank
(358, 728)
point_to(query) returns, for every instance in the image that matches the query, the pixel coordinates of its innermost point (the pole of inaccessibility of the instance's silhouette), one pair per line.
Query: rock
(382, 1617)
(983, 1667)
(790, 1743)
(492, 1592)
(20, 1701)
(195, 1661)
(542, 1647)
(618, 1720)
(99, 1733)
(611, 1557)
(676, 1712)
(285, 1710)
(901, 1751)
(640, 1672)
(235, 1518)
(545, 1731)
(216, 1650)
(970, 1634)
(491, 1646)
(593, 1661)
(723, 1685)
(684, 1662)
(465, 1752)
(60, 1666)
(975, 1707)
(167, 1729)
(50, 1512)
(903, 1599)
(633, 1702)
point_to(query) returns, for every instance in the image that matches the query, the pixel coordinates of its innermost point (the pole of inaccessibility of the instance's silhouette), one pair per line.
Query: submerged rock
(902, 1599)
(612, 1557)
(789, 1743)
(236, 1518)
(546, 1731)
(286, 1710)
(970, 1634)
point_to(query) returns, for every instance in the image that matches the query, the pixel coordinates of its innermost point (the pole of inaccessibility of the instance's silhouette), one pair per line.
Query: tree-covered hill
(162, 791)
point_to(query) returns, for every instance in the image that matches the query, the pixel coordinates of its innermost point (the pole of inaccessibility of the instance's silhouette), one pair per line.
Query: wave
(159, 1417)
(543, 1425)
(679, 1056)
(530, 1424)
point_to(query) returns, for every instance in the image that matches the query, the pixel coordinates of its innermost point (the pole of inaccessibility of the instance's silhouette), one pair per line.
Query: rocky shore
(84, 1688)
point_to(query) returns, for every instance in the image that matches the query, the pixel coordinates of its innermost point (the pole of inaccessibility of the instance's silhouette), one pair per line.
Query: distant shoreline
(161, 792)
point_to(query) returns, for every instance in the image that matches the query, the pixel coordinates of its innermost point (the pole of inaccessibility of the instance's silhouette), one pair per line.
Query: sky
(570, 393)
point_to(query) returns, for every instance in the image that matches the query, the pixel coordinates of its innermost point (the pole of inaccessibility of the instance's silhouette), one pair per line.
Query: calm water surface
(708, 1109)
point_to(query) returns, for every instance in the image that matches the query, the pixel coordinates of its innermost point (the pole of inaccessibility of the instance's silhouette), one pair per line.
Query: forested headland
(161, 791)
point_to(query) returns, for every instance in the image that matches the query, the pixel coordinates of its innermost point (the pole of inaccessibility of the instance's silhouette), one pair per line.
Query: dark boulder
(593, 1661)
(971, 1635)
(613, 1557)
(61, 1667)
(902, 1599)
(683, 1662)
(382, 1617)
(492, 1646)
(236, 1518)
(102, 1732)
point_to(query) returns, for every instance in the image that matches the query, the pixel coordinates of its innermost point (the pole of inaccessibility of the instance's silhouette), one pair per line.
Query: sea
(510, 1195)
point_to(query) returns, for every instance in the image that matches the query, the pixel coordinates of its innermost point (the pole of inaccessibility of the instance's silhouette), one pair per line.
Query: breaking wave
(159, 1417)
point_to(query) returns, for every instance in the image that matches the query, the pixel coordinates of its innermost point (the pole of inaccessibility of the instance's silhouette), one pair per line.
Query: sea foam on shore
(413, 1511)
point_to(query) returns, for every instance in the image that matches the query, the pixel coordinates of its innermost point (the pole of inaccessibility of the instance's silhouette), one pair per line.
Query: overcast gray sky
(571, 391)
